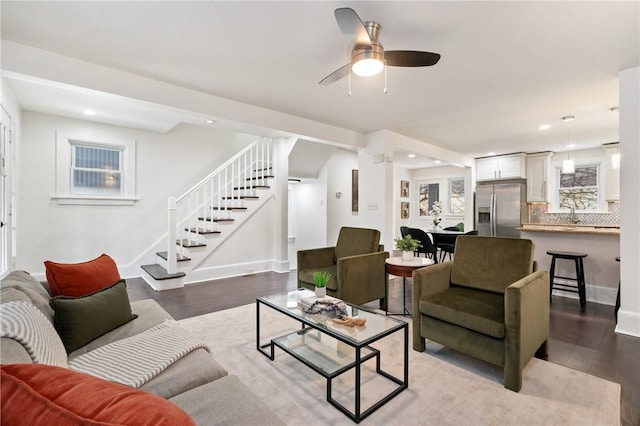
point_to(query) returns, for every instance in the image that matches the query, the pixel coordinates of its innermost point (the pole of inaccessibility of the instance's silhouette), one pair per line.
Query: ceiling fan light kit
(367, 63)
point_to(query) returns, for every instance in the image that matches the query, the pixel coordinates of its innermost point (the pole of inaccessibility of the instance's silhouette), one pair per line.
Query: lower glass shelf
(327, 355)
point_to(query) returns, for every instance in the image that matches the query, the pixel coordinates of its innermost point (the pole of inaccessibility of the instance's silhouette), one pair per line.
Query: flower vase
(407, 256)
(321, 292)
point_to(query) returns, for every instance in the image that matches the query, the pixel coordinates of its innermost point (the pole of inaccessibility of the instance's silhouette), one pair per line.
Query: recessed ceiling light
(568, 118)
(544, 126)
(211, 121)
(571, 145)
(89, 111)
(437, 161)
(491, 153)
(411, 156)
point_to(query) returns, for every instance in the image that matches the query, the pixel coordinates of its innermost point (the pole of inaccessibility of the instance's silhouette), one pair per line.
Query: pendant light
(615, 158)
(568, 167)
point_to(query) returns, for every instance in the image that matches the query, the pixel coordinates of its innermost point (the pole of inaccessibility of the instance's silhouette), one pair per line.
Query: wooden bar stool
(579, 279)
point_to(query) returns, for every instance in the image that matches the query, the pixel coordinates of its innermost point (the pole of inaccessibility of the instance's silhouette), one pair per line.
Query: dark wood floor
(582, 340)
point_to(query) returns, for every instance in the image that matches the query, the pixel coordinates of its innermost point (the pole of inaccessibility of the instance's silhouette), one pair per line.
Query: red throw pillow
(38, 394)
(80, 279)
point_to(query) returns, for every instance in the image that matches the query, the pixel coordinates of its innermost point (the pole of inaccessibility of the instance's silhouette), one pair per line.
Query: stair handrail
(173, 202)
(218, 170)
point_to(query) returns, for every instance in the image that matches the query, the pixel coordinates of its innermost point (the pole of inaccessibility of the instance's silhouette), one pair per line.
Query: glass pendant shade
(568, 167)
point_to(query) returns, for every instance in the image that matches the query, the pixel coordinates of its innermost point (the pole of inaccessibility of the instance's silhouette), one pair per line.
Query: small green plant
(407, 243)
(320, 279)
(460, 226)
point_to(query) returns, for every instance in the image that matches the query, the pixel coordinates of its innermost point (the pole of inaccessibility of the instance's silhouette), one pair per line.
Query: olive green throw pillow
(79, 320)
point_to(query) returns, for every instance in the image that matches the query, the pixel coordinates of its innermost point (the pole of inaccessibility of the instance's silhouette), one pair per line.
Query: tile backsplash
(538, 214)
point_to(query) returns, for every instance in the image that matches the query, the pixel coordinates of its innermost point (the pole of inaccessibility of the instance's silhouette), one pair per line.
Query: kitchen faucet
(572, 216)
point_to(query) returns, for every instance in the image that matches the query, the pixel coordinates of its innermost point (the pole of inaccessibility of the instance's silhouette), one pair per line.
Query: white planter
(321, 291)
(407, 255)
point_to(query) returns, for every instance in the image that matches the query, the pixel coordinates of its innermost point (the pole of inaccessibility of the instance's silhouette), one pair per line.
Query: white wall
(629, 314)
(167, 165)
(309, 209)
(399, 175)
(337, 172)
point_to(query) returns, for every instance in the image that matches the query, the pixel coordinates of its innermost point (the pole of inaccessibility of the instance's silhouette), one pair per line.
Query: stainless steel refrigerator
(501, 207)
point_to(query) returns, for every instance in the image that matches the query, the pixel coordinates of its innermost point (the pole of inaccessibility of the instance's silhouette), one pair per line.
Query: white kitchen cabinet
(501, 167)
(611, 174)
(538, 166)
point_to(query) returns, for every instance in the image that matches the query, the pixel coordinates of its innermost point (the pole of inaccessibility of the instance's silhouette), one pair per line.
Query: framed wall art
(354, 190)
(404, 188)
(404, 210)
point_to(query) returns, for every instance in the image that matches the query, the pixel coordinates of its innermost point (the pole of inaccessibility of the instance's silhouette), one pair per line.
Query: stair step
(159, 273)
(260, 177)
(241, 197)
(251, 187)
(229, 208)
(165, 256)
(190, 244)
(202, 231)
(216, 219)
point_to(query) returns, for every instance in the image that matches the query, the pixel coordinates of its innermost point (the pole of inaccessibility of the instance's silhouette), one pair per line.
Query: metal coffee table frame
(363, 352)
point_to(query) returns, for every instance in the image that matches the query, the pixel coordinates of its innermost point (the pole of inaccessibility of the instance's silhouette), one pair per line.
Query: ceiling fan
(367, 54)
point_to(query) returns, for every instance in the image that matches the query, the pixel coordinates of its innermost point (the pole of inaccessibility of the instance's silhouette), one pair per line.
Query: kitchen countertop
(570, 228)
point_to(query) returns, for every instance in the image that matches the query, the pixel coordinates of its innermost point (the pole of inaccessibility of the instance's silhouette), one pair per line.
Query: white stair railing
(213, 199)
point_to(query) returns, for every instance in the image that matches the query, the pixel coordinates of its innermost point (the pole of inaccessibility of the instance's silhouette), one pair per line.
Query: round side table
(402, 268)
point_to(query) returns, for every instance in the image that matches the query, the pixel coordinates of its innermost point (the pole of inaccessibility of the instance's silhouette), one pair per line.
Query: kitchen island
(602, 245)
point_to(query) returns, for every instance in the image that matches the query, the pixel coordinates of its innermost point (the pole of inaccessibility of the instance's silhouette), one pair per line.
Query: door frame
(7, 218)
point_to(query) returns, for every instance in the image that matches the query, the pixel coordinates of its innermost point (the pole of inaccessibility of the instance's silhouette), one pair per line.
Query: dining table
(443, 239)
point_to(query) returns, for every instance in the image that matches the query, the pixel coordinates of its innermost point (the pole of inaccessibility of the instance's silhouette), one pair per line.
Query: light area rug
(445, 387)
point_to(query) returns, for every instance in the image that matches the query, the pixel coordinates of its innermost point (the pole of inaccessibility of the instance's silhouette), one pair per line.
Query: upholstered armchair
(356, 264)
(488, 303)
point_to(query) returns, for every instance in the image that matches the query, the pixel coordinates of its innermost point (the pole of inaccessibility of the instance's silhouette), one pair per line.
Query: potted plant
(320, 279)
(408, 245)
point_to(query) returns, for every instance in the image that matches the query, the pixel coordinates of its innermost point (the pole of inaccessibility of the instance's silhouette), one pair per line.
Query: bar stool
(579, 279)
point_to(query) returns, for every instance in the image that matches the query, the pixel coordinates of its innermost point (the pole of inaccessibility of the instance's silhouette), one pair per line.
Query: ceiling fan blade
(351, 25)
(410, 58)
(336, 75)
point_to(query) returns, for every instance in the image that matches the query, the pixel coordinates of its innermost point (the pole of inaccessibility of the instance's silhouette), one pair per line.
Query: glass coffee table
(331, 349)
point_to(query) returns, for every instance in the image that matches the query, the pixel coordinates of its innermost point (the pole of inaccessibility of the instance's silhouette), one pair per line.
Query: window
(429, 194)
(94, 170)
(579, 190)
(456, 196)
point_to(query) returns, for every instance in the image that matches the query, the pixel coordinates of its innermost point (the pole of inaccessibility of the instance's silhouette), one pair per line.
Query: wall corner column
(281, 149)
(629, 98)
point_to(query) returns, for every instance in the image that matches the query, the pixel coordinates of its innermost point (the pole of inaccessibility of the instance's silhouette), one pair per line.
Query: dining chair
(427, 248)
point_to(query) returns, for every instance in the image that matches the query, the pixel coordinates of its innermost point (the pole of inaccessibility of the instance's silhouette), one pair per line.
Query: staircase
(200, 220)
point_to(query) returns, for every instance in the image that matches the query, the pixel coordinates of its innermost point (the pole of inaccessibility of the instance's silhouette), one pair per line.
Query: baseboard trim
(236, 270)
(595, 294)
(628, 323)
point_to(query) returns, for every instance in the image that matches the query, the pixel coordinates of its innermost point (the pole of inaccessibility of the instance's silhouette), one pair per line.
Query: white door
(5, 194)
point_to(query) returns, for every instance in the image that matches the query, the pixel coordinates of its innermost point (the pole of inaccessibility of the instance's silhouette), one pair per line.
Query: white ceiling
(506, 67)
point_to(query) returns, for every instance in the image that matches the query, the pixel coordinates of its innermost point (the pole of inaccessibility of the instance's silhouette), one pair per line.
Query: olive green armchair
(356, 264)
(489, 303)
